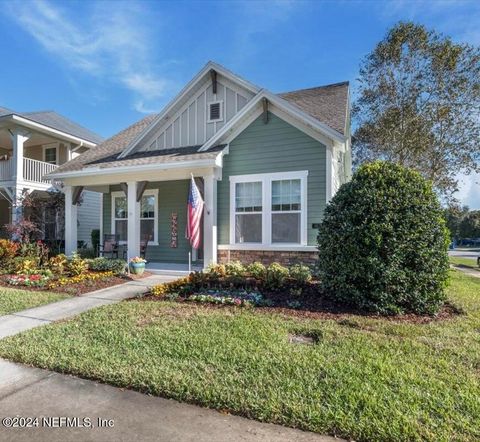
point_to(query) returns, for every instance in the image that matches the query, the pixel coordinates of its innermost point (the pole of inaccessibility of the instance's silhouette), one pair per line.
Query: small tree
(383, 242)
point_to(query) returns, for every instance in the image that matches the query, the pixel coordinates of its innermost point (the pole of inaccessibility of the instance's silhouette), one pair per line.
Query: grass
(364, 378)
(466, 262)
(15, 300)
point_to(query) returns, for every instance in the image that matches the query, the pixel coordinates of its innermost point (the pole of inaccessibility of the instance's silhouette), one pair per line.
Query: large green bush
(383, 242)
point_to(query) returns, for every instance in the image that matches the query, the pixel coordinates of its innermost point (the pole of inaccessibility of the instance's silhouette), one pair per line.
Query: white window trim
(153, 192)
(221, 111)
(266, 180)
(55, 146)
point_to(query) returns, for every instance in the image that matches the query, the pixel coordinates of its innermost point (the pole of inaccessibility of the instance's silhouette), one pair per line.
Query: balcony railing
(33, 170)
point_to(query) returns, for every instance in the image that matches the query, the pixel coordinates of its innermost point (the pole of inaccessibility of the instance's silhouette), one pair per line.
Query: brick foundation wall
(267, 257)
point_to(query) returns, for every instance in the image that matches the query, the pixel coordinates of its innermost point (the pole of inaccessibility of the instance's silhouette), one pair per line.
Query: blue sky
(105, 64)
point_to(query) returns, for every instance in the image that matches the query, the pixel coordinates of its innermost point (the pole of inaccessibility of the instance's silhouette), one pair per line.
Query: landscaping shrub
(300, 274)
(76, 265)
(87, 253)
(235, 269)
(8, 250)
(58, 264)
(24, 265)
(276, 276)
(257, 270)
(383, 242)
(101, 264)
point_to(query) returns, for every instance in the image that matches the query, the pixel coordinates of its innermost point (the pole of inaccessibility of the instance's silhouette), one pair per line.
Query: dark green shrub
(104, 265)
(383, 242)
(95, 237)
(257, 270)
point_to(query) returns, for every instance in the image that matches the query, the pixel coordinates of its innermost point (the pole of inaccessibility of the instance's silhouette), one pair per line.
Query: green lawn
(468, 262)
(364, 378)
(15, 300)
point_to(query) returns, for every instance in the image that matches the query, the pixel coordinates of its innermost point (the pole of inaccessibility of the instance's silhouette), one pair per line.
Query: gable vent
(215, 111)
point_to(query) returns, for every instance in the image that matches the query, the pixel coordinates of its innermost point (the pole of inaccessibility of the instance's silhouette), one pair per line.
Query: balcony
(33, 171)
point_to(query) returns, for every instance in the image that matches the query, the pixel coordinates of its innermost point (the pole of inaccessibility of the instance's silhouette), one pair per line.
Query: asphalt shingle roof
(56, 121)
(327, 104)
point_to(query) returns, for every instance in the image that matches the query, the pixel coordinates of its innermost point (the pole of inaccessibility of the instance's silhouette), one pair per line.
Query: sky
(105, 64)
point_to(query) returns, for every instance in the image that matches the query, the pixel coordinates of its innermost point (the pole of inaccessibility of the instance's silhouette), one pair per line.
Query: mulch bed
(79, 288)
(318, 306)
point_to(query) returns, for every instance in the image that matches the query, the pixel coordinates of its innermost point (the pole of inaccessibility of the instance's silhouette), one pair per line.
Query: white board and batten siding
(189, 125)
(88, 216)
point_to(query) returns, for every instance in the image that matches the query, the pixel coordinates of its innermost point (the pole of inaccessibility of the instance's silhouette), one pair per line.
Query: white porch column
(70, 222)
(19, 137)
(210, 221)
(133, 240)
(17, 211)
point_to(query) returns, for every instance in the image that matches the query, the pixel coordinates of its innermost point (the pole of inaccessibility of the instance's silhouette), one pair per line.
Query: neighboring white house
(266, 165)
(33, 144)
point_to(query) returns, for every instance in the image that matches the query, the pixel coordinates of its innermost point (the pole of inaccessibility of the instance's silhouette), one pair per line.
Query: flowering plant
(137, 260)
(240, 298)
(34, 280)
(88, 276)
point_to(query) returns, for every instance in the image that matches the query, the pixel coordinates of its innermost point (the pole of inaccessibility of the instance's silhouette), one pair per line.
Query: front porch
(156, 208)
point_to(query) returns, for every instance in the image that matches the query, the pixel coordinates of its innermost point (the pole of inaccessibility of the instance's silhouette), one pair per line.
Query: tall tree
(419, 105)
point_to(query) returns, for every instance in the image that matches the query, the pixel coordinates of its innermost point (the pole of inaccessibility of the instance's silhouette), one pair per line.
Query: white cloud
(112, 44)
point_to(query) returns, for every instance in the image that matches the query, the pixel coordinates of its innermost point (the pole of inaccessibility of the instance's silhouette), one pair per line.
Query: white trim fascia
(145, 167)
(283, 105)
(276, 248)
(46, 129)
(183, 93)
(266, 180)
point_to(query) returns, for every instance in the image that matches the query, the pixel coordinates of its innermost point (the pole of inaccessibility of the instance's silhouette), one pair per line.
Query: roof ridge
(39, 112)
(340, 83)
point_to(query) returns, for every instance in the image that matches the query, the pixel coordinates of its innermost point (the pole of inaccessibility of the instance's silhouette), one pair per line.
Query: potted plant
(137, 265)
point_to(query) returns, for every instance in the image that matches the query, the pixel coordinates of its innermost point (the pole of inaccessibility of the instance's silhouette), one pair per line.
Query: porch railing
(6, 169)
(34, 170)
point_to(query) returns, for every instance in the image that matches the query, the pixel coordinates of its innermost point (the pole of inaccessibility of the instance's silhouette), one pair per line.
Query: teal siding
(172, 197)
(268, 148)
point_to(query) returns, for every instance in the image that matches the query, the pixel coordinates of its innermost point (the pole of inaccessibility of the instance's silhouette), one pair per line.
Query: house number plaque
(174, 230)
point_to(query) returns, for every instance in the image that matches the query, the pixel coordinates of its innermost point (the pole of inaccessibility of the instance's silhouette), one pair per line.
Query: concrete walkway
(467, 270)
(32, 392)
(34, 317)
(126, 415)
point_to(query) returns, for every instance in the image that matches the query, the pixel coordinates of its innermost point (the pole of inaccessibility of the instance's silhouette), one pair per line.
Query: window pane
(248, 197)
(51, 155)
(147, 209)
(286, 195)
(147, 228)
(121, 227)
(121, 210)
(286, 227)
(248, 228)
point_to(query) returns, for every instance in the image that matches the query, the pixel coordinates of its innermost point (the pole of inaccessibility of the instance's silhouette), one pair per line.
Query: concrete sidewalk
(126, 415)
(26, 319)
(32, 392)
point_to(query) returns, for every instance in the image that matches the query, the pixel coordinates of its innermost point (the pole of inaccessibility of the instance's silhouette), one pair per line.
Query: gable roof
(324, 108)
(327, 104)
(56, 121)
(112, 146)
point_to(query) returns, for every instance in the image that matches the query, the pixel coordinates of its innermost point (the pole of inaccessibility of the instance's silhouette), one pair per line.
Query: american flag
(195, 209)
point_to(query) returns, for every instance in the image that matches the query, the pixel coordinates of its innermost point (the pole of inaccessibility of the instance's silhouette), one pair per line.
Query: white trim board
(121, 194)
(266, 180)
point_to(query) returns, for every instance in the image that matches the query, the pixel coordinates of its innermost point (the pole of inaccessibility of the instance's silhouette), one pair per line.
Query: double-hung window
(148, 215)
(269, 209)
(286, 211)
(248, 212)
(120, 216)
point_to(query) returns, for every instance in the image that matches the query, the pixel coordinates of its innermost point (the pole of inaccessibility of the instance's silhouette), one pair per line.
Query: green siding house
(265, 164)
